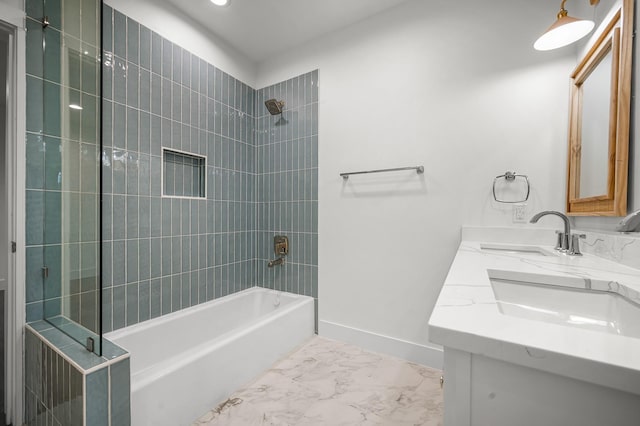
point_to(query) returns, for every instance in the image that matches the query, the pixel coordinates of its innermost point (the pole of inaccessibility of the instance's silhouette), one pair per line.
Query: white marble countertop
(466, 316)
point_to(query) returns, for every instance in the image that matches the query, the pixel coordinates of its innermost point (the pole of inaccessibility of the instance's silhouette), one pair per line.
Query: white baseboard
(410, 351)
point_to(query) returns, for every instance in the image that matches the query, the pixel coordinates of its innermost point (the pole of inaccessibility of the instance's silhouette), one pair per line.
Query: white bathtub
(185, 363)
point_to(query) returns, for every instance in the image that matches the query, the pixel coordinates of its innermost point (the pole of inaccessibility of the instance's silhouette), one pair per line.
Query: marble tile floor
(331, 383)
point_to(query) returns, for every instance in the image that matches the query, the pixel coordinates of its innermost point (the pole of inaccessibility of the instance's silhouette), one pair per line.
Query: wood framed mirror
(599, 116)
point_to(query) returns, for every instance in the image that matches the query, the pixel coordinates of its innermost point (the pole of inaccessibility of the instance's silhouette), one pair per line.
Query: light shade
(564, 31)
(220, 2)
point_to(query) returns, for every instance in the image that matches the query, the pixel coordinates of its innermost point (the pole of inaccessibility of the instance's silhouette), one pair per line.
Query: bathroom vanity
(532, 336)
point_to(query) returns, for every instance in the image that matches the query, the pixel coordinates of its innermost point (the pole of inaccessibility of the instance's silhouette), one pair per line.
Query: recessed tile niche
(183, 174)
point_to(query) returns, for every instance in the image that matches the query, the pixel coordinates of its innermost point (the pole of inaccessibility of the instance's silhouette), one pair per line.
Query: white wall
(456, 87)
(17, 4)
(172, 24)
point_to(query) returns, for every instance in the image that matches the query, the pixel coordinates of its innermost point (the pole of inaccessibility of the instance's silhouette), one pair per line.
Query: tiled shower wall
(287, 184)
(62, 153)
(163, 254)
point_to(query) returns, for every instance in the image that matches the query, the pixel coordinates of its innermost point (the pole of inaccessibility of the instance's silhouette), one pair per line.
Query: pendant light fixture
(565, 30)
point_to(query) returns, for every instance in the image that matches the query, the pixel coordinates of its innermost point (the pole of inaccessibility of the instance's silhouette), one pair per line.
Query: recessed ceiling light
(221, 2)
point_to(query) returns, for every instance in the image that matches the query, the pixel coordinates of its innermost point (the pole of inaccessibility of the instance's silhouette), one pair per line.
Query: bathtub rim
(152, 322)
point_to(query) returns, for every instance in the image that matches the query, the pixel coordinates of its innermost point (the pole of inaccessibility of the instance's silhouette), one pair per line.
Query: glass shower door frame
(76, 307)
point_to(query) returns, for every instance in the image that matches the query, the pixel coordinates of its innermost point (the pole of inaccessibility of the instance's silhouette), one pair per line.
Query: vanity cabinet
(562, 353)
(481, 391)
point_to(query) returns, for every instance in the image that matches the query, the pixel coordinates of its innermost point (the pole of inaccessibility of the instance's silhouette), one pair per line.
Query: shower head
(274, 107)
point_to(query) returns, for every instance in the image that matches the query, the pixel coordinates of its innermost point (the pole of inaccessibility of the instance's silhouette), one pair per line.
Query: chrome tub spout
(276, 262)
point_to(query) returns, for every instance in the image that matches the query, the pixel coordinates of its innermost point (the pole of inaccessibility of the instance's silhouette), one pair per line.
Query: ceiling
(262, 28)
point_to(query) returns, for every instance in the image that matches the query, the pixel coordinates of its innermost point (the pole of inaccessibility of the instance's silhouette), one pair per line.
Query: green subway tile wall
(53, 387)
(97, 403)
(163, 254)
(287, 184)
(90, 391)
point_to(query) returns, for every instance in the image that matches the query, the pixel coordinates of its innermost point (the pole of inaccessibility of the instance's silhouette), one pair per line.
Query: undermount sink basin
(516, 249)
(569, 301)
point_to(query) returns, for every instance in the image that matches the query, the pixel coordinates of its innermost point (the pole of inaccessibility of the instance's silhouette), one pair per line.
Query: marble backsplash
(619, 247)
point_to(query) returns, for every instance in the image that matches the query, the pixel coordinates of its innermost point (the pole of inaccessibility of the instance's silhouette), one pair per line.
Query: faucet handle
(559, 238)
(574, 250)
(562, 242)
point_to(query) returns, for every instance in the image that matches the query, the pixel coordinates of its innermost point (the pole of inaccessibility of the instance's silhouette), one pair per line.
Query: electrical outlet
(519, 213)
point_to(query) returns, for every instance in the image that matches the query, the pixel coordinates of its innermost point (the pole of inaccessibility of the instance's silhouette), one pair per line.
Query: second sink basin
(564, 300)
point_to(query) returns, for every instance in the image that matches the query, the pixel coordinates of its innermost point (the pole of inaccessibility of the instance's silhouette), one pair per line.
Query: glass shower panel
(72, 131)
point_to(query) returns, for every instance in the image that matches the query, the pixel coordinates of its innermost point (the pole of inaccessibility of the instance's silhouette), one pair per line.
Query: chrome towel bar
(418, 169)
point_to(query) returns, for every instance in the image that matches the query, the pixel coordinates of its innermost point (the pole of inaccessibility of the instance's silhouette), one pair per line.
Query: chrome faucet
(564, 238)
